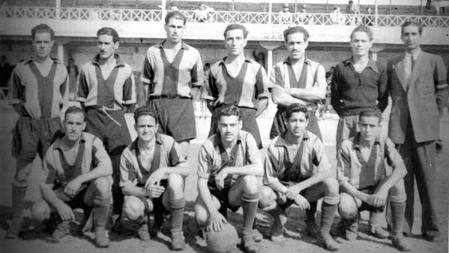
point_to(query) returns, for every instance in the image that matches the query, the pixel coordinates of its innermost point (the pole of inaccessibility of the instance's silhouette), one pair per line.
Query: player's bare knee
(201, 214)
(347, 206)
(133, 208)
(250, 184)
(397, 192)
(102, 186)
(40, 210)
(331, 185)
(175, 182)
(267, 197)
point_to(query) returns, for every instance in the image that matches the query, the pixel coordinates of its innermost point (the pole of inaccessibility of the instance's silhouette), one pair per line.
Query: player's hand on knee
(379, 199)
(292, 192)
(216, 221)
(155, 191)
(72, 187)
(301, 202)
(220, 178)
(65, 212)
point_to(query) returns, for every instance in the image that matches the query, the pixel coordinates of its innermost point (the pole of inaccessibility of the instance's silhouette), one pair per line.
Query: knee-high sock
(176, 214)
(100, 216)
(18, 201)
(310, 213)
(397, 211)
(249, 205)
(327, 217)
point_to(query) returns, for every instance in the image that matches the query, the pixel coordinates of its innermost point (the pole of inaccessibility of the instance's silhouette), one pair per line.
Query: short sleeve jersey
(113, 92)
(91, 154)
(174, 78)
(250, 84)
(39, 96)
(361, 173)
(167, 152)
(313, 76)
(213, 157)
(308, 160)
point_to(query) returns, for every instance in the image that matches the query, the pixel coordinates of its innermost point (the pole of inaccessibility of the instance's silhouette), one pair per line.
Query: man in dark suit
(418, 85)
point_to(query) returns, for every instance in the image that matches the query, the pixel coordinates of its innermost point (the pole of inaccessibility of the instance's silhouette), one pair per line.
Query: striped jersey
(250, 84)
(174, 78)
(113, 92)
(313, 76)
(39, 96)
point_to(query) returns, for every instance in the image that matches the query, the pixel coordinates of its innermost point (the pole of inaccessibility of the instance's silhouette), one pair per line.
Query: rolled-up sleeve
(262, 83)
(204, 163)
(343, 163)
(271, 163)
(197, 72)
(394, 159)
(127, 171)
(129, 90)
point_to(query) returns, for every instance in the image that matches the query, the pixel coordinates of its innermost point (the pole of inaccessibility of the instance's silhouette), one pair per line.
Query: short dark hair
(412, 23)
(296, 29)
(74, 109)
(109, 31)
(365, 29)
(144, 111)
(371, 113)
(236, 27)
(42, 28)
(294, 108)
(229, 110)
(175, 15)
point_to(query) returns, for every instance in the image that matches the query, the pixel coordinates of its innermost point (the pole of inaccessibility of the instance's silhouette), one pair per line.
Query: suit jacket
(416, 100)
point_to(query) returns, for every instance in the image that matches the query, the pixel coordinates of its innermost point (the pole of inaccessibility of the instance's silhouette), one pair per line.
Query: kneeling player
(78, 175)
(228, 167)
(297, 171)
(152, 179)
(370, 171)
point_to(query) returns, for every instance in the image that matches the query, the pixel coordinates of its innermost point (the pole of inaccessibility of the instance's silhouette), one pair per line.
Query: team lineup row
(102, 166)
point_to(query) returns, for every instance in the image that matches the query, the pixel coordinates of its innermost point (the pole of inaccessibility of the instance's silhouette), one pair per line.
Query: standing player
(106, 90)
(239, 81)
(228, 167)
(77, 174)
(301, 78)
(38, 92)
(358, 83)
(297, 171)
(152, 177)
(173, 75)
(370, 172)
(418, 87)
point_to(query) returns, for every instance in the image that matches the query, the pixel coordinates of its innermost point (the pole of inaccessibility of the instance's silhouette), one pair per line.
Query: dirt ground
(295, 240)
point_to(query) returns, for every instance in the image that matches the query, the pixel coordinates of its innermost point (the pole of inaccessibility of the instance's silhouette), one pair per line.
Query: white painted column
(58, 8)
(270, 46)
(61, 52)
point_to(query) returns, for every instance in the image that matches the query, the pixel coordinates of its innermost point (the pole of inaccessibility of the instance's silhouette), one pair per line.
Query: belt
(169, 96)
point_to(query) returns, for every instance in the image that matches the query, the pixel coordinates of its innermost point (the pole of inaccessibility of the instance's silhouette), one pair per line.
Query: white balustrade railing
(195, 16)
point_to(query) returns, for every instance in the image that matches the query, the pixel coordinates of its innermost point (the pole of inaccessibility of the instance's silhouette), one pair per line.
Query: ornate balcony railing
(195, 16)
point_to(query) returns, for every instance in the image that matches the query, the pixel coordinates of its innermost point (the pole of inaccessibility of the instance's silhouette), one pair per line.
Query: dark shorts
(30, 137)
(249, 124)
(310, 194)
(175, 117)
(223, 197)
(34, 136)
(367, 207)
(278, 127)
(110, 127)
(158, 205)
